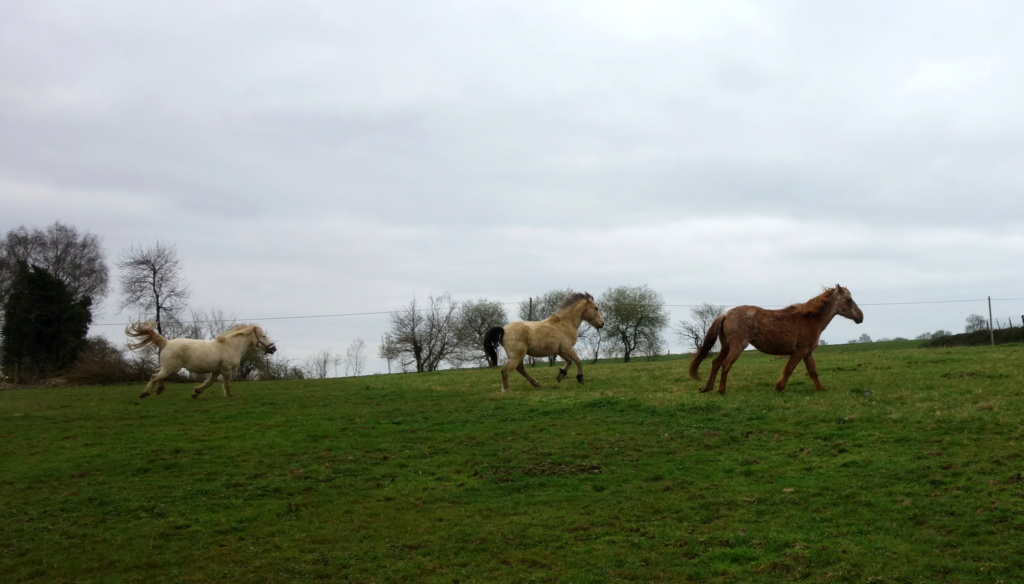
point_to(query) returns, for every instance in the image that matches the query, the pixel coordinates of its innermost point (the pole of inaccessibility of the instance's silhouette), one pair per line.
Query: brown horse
(555, 335)
(792, 331)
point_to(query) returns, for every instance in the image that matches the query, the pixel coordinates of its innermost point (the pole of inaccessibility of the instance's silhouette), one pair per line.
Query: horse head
(581, 304)
(591, 313)
(845, 306)
(263, 342)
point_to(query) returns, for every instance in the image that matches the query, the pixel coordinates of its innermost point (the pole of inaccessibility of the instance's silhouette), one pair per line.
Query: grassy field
(909, 469)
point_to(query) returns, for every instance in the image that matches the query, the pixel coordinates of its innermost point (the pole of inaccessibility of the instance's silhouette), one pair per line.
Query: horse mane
(571, 299)
(238, 329)
(814, 306)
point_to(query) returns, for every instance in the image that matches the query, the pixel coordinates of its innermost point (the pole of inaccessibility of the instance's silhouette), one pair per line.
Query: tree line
(425, 336)
(51, 279)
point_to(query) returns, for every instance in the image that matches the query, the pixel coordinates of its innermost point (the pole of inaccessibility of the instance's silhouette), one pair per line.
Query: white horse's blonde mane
(238, 329)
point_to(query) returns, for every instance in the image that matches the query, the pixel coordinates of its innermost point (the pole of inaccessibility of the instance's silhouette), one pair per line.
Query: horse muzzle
(270, 349)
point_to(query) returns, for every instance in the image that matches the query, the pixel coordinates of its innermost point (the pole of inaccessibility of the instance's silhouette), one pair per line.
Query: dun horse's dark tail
(492, 338)
(709, 341)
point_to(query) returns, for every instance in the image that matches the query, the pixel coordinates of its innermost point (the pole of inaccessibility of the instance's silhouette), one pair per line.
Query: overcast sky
(318, 158)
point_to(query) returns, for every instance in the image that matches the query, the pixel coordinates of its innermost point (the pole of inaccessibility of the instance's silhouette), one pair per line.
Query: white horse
(217, 357)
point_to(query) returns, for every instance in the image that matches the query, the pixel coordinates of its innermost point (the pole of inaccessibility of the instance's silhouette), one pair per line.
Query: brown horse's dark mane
(572, 299)
(814, 306)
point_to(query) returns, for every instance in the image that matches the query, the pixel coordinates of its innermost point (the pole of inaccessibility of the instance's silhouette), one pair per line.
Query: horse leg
(787, 371)
(504, 377)
(154, 380)
(522, 370)
(812, 371)
(570, 356)
(716, 364)
(202, 386)
(728, 358)
(510, 364)
(226, 377)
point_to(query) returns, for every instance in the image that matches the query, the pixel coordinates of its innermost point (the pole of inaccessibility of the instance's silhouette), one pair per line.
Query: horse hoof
(704, 389)
(579, 379)
(142, 395)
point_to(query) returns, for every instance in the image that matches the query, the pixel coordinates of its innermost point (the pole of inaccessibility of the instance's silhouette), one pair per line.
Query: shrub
(100, 363)
(1007, 335)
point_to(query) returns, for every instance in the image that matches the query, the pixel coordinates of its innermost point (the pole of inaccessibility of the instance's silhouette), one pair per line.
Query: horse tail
(146, 333)
(709, 341)
(493, 338)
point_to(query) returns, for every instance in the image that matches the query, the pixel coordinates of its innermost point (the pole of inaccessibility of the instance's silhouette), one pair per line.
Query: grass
(909, 469)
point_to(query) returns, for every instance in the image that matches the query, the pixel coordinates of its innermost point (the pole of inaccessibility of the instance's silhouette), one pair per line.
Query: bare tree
(976, 322)
(634, 317)
(588, 342)
(151, 281)
(76, 259)
(390, 351)
(692, 333)
(355, 358)
(426, 335)
(262, 367)
(319, 366)
(201, 324)
(541, 307)
(473, 320)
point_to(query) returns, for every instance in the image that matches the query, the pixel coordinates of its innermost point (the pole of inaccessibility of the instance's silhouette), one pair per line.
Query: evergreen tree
(44, 325)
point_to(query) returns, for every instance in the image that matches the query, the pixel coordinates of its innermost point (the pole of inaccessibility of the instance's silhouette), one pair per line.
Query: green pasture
(909, 469)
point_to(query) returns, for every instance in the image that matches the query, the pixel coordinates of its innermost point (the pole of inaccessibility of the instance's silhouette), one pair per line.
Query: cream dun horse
(217, 357)
(555, 335)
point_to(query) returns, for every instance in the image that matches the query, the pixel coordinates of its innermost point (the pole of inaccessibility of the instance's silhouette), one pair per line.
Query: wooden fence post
(991, 331)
